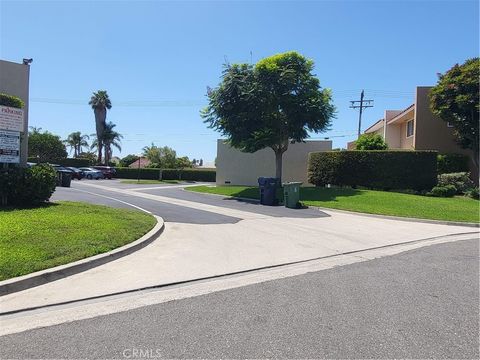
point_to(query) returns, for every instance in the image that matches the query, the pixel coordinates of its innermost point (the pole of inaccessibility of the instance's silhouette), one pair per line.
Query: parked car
(76, 173)
(91, 173)
(108, 171)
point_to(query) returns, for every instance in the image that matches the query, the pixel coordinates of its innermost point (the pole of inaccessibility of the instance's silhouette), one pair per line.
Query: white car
(91, 173)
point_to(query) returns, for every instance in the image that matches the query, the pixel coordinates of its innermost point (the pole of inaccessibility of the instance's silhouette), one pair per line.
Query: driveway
(208, 235)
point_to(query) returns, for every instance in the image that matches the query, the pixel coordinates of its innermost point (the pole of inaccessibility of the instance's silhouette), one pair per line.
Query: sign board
(9, 147)
(11, 119)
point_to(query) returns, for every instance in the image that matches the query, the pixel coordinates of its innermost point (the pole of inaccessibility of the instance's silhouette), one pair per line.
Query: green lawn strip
(458, 208)
(59, 233)
(149, 182)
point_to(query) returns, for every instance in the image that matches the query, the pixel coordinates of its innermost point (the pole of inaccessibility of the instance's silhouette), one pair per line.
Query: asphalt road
(170, 212)
(418, 304)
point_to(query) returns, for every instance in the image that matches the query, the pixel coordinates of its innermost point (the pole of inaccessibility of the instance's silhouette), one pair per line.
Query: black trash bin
(268, 190)
(65, 178)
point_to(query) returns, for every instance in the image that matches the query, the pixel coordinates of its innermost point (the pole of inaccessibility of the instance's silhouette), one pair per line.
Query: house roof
(375, 126)
(402, 113)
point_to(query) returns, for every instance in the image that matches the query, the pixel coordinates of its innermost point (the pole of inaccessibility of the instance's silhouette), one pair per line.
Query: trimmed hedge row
(74, 162)
(375, 169)
(167, 174)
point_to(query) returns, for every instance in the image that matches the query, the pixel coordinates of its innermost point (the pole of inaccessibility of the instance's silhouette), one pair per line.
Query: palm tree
(76, 141)
(100, 103)
(110, 138)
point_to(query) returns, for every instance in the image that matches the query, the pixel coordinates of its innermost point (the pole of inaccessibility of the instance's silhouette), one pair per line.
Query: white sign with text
(9, 147)
(11, 119)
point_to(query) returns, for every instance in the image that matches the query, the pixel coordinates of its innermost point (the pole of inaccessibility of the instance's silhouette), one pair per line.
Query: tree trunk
(278, 164)
(100, 117)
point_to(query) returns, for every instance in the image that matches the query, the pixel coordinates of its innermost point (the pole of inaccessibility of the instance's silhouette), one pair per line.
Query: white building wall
(238, 168)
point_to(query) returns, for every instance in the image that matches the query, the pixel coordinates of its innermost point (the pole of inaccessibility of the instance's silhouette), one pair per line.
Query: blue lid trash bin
(268, 190)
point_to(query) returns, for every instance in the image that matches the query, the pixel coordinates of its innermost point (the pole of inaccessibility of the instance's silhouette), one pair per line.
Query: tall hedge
(375, 169)
(167, 174)
(74, 162)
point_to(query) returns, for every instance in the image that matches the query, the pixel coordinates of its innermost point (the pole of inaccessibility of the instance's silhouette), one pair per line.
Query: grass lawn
(149, 182)
(59, 233)
(458, 208)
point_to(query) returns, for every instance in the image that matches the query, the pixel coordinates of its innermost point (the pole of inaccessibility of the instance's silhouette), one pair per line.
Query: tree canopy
(277, 101)
(455, 99)
(46, 147)
(370, 142)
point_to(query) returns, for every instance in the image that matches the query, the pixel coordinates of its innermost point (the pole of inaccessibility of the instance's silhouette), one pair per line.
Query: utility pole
(361, 104)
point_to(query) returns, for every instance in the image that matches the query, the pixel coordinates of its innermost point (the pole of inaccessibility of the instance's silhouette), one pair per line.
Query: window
(409, 128)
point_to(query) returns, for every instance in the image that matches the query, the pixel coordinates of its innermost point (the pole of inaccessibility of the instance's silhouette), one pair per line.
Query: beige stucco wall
(406, 143)
(14, 80)
(241, 168)
(432, 133)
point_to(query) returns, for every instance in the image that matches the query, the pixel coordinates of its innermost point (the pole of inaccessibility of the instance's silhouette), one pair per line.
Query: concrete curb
(44, 276)
(389, 217)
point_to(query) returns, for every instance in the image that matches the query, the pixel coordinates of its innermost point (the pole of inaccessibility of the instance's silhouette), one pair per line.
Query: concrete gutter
(44, 276)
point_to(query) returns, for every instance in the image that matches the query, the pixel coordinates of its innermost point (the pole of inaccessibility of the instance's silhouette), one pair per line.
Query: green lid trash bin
(291, 194)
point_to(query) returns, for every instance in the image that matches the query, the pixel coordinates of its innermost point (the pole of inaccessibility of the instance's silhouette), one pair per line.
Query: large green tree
(455, 99)
(100, 103)
(160, 157)
(76, 141)
(271, 104)
(46, 147)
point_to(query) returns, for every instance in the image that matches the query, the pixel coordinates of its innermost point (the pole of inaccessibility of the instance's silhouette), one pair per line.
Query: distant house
(144, 162)
(416, 128)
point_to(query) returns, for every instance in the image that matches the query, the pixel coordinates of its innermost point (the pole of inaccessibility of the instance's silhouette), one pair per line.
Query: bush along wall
(384, 170)
(452, 163)
(167, 174)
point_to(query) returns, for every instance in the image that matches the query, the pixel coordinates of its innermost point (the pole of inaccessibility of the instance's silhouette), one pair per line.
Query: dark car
(76, 173)
(107, 171)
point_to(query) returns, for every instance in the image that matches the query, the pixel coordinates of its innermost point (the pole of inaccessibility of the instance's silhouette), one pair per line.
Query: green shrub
(460, 180)
(27, 186)
(370, 142)
(383, 169)
(473, 193)
(443, 191)
(452, 163)
(11, 101)
(166, 174)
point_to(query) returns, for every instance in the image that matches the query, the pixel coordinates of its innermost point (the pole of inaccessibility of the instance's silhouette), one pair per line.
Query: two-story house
(417, 128)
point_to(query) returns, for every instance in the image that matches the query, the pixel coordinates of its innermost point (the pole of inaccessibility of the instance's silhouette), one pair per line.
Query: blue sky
(156, 58)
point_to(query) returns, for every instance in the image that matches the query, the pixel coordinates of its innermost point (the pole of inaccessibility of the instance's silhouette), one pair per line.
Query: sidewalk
(190, 251)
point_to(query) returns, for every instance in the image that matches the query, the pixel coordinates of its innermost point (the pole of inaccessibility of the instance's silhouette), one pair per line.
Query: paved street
(418, 304)
(209, 236)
